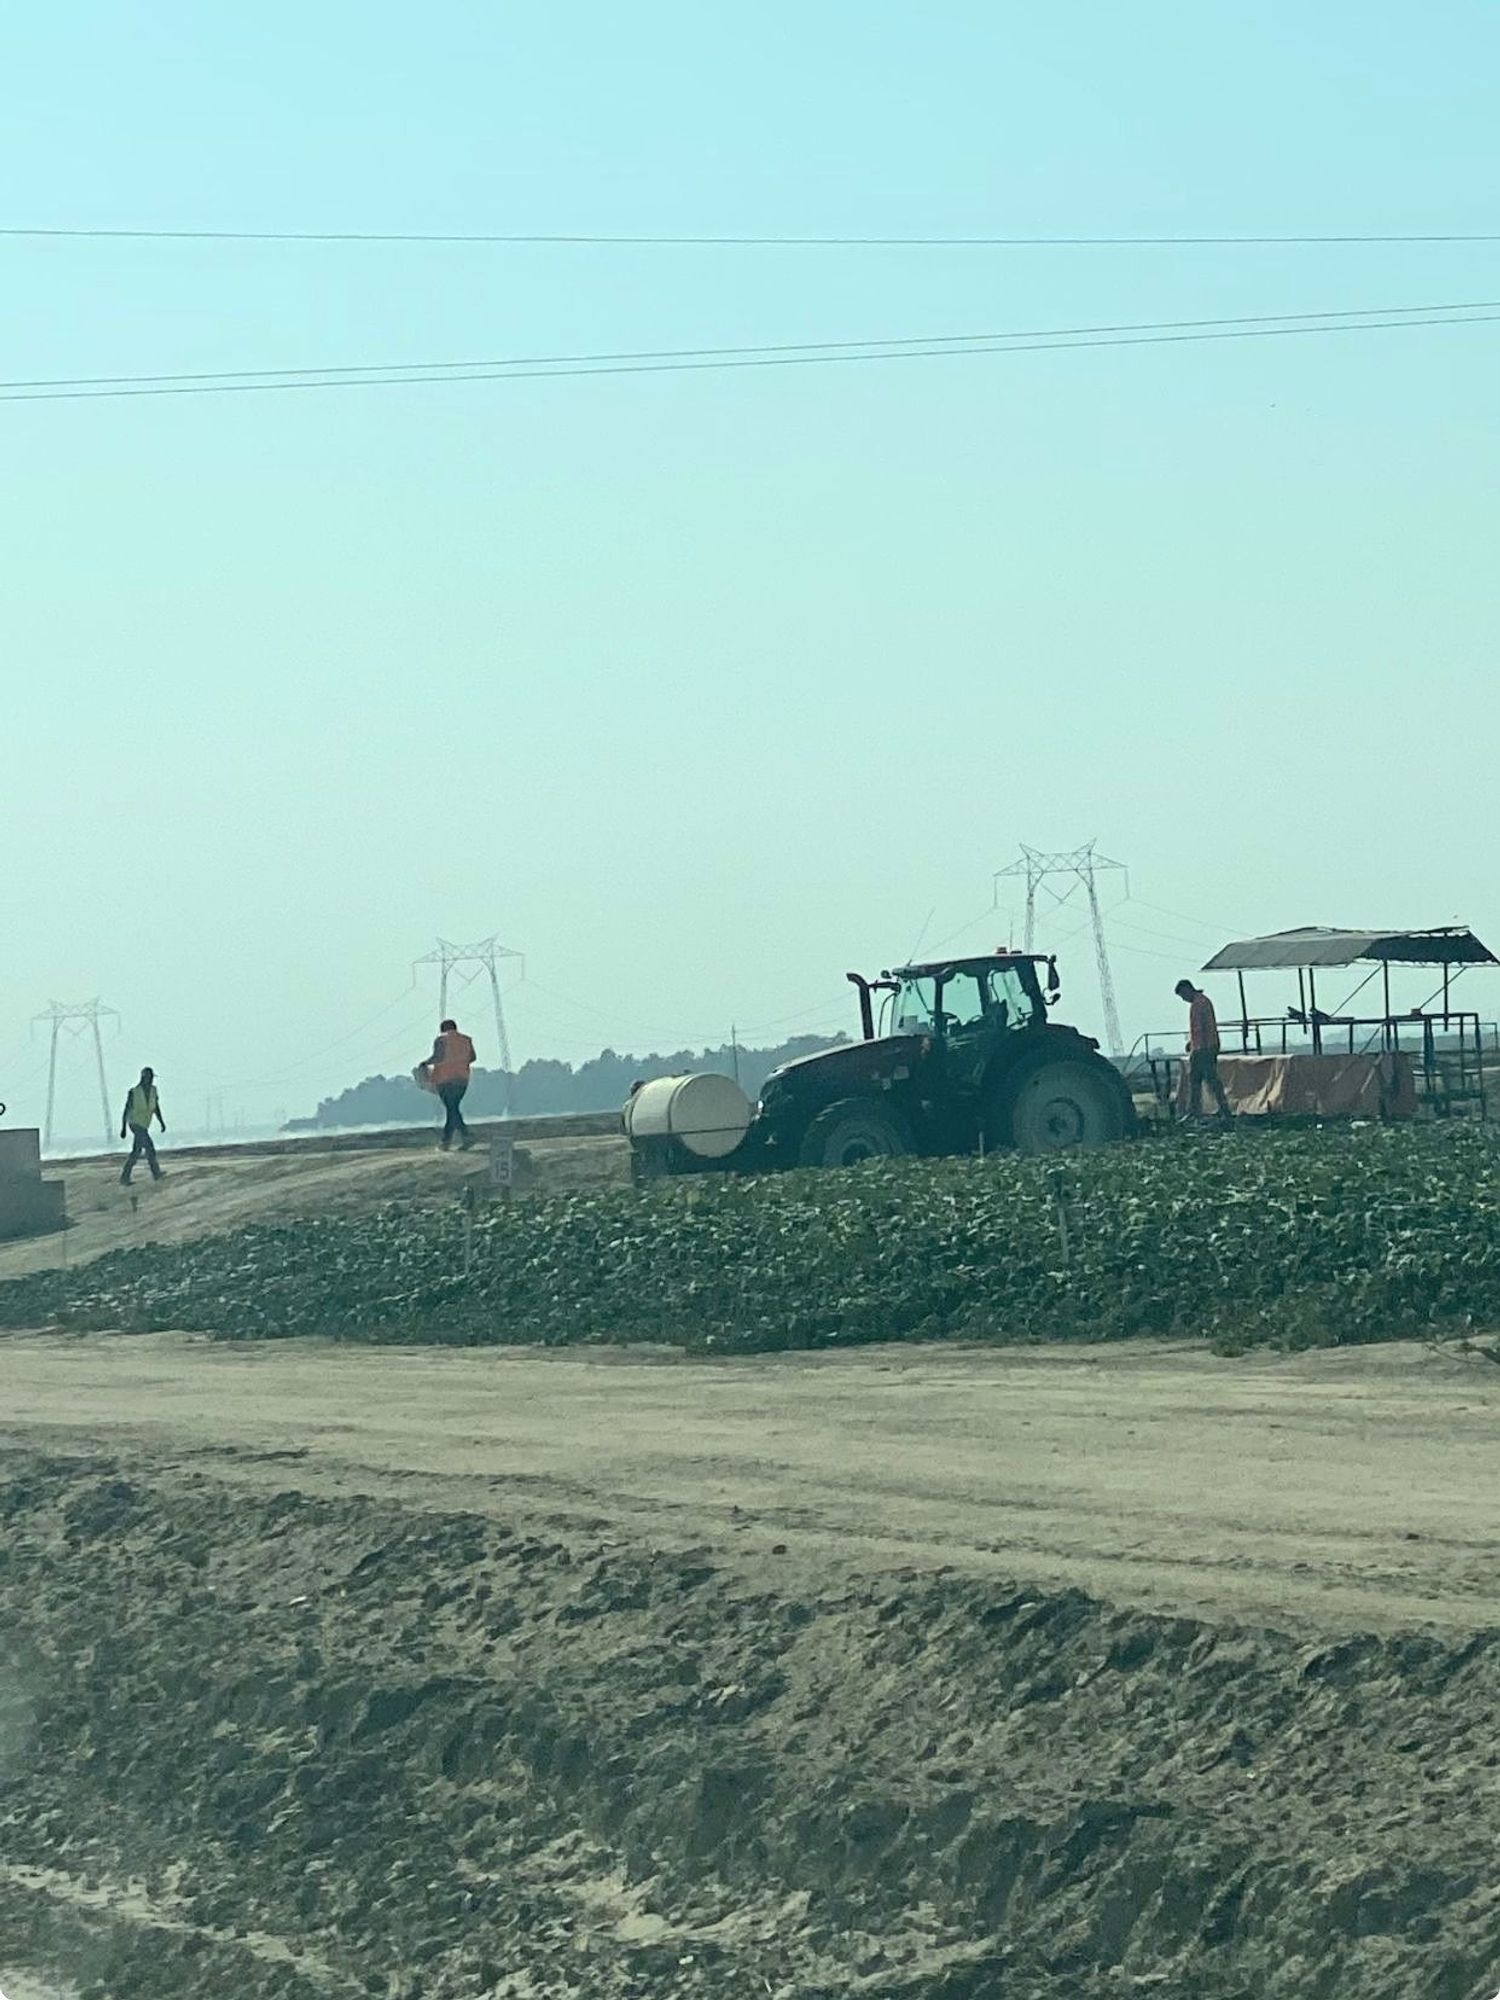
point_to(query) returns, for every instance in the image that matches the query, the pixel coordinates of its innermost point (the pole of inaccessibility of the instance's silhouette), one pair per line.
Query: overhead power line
(311, 1057)
(586, 240)
(1369, 319)
(1219, 928)
(791, 347)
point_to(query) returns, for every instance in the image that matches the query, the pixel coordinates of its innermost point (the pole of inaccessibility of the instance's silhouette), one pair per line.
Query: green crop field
(1296, 1238)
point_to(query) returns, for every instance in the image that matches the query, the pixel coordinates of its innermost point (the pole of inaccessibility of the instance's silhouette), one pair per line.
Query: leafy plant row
(1319, 1237)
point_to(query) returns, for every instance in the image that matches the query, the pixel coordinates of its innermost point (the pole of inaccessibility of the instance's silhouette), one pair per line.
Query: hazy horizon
(701, 688)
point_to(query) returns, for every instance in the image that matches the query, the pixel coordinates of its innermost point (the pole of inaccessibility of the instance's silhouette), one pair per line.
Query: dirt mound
(205, 1193)
(288, 1747)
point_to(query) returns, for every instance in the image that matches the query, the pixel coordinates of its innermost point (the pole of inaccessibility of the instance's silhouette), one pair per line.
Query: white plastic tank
(707, 1114)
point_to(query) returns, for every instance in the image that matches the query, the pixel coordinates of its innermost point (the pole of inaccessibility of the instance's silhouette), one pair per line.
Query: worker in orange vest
(448, 1069)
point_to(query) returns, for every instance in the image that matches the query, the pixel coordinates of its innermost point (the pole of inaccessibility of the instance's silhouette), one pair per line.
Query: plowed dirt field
(939, 1674)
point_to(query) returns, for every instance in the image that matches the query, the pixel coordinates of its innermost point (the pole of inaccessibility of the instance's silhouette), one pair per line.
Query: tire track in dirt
(1350, 1491)
(289, 1746)
(126, 1905)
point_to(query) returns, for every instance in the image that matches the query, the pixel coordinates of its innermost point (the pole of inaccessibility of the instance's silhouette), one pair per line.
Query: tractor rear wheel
(852, 1130)
(1067, 1104)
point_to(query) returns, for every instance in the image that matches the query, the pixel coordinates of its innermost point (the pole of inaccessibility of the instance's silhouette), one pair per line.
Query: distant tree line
(536, 1088)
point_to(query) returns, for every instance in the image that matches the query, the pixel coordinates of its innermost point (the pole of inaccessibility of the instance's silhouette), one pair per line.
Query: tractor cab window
(966, 1000)
(981, 996)
(913, 1009)
(1008, 991)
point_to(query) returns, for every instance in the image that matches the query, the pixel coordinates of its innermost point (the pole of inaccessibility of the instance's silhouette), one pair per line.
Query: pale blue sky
(702, 688)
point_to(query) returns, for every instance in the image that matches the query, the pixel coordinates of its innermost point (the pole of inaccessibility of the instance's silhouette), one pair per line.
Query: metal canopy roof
(1313, 945)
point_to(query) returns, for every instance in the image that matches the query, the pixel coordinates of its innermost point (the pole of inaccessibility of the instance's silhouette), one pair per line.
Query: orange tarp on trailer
(1381, 1085)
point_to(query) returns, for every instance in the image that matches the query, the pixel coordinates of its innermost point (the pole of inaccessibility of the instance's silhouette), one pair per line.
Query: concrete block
(20, 1153)
(32, 1208)
(29, 1206)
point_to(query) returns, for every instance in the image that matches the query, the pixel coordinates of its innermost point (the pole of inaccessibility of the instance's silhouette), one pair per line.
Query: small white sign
(502, 1175)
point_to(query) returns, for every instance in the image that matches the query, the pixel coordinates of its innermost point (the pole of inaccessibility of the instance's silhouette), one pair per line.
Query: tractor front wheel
(853, 1130)
(1067, 1104)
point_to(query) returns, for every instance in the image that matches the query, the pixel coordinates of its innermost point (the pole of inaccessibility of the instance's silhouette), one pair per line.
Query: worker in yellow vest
(141, 1105)
(448, 1070)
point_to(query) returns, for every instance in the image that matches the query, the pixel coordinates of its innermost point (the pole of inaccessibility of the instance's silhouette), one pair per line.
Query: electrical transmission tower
(1079, 869)
(470, 962)
(83, 1017)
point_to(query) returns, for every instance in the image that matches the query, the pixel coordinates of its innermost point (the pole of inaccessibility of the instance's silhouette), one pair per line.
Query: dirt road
(901, 1675)
(203, 1193)
(1344, 1490)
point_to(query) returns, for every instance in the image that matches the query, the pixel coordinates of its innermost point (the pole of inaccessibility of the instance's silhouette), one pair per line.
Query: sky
(700, 688)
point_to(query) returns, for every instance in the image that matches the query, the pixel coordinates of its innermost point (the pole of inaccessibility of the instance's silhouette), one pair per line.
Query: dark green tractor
(957, 1056)
(962, 1059)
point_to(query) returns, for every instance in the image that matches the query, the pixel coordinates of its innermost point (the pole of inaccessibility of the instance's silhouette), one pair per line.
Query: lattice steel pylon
(75, 1019)
(1079, 869)
(471, 962)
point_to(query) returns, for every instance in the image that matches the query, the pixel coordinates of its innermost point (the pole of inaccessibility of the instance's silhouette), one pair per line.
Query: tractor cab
(968, 996)
(975, 1018)
(957, 1055)
(989, 995)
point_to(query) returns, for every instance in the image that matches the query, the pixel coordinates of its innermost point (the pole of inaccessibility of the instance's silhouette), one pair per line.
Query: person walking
(448, 1069)
(1203, 1050)
(141, 1105)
